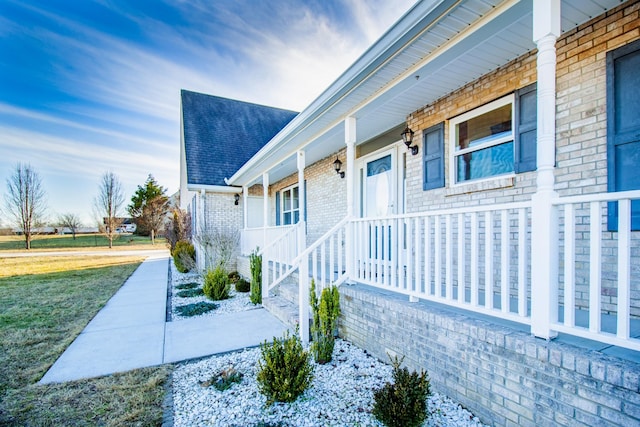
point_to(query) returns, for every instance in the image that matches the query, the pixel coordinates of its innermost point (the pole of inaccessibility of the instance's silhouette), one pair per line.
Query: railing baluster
(569, 265)
(393, 259)
(448, 244)
(331, 258)
(474, 259)
(595, 271)
(522, 262)
(624, 272)
(488, 260)
(437, 266)
(323, 265)
(427, 255)
(417, 258)
(504, 263)
(461, 258)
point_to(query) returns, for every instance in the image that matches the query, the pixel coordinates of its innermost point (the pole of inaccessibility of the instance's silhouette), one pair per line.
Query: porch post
(544, 219)
(201, 228)
(245, 210)
(265, 224)
(350, 140)
(303, 272)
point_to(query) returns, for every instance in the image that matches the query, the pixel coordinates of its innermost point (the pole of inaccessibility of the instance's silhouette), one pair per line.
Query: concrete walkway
(130, 332)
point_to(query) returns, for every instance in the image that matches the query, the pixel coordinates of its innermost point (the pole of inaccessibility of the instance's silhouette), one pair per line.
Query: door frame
(398, 176)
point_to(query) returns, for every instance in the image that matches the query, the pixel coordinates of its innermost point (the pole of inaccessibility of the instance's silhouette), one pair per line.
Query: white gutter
(214, 188)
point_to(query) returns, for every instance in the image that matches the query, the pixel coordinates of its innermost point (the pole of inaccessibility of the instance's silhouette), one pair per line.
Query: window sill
(485, 185)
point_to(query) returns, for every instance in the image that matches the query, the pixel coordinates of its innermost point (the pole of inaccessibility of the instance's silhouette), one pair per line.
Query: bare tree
(154, 212)
(25, 200)
(108, 204)
(178, 228)
(71, 221)
(219, 246)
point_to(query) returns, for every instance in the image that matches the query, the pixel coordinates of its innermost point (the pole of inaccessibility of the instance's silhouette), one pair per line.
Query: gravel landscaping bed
(341, 395)
(237, 301)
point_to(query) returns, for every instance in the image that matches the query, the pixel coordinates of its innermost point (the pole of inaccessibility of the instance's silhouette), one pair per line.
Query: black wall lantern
(407, 138)
(337, 165)
(236, 199)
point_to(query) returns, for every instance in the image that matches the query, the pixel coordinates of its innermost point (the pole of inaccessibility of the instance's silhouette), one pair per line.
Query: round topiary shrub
(243, 285)
(184, 256)
(216, 284)
(234, 276)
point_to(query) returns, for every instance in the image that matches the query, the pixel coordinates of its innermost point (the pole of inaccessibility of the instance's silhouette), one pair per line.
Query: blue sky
(93, 86)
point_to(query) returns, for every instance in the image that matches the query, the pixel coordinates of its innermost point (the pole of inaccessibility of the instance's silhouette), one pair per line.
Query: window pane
(483, 128)
(379, 166)
(296, 198)
(496, 160)
(296, 216)
(286, 200)
(286, 218)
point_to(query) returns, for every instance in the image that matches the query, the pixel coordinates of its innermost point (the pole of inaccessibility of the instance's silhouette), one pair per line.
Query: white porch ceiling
(447, 43)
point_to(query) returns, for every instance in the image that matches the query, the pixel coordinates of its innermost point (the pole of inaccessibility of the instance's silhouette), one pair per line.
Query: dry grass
(82, 241)
(45, 303)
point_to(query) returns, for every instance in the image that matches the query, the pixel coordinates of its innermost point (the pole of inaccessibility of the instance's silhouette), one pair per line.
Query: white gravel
(237, 301)
(341, 395)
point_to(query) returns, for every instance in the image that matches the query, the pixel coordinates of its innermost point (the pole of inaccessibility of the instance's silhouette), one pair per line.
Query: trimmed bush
(184, 256)
(325, 315)
(404, 403)
(284, 371)
(234, 276)
(255, 263)
(216, 284)
(195, 309)
(224, 379)
(242, 285)
(190, 293)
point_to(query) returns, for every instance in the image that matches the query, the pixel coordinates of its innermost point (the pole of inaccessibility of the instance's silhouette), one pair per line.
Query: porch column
(544, 219)
(245, 209)
(350, 140)
(201, 228)
(303, 273)
(265, 224)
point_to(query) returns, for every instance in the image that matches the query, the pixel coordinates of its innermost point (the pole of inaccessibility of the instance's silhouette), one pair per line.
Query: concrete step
(283, 309)
(289, 291)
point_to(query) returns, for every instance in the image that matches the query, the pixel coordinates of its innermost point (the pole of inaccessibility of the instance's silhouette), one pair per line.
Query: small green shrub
(184, 256)
(216, 284)
(190, 293)
(404, 403)
(284, 371)
(325, 314)
(189, 285)
(234, 276)
(195, 309)
(255, 263)
(242, 285)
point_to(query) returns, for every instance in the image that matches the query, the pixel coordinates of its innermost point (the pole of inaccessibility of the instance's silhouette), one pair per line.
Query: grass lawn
(85, 241)
(45, 302)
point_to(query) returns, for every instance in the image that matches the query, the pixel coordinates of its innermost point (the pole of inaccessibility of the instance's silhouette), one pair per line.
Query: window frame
(291, 211)
(453, 153)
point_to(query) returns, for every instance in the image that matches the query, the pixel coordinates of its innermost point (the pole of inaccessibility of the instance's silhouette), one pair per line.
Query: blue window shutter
(433, 157)
(277, 208)
(526, 121)
(623, 128)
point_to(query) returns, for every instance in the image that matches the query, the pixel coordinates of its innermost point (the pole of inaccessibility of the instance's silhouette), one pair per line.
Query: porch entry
(382, 189)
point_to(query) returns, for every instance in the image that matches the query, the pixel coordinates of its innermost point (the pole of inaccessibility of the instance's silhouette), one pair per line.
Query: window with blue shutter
(623, 128)
(433, 157)
(526, 121)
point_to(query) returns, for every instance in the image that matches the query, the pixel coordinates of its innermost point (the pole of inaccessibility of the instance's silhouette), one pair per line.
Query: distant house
(471, 183)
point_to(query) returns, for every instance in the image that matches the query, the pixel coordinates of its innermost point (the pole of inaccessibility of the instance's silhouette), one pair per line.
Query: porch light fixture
(407, 138)
(337, 165)
(236, 199)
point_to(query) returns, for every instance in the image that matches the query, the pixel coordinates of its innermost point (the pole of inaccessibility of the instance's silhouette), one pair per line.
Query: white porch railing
(473, 258)
(279, 254)
(253, 238)
(599, 280)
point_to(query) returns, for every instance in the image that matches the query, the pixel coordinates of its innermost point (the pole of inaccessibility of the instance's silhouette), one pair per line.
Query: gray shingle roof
(221, 134)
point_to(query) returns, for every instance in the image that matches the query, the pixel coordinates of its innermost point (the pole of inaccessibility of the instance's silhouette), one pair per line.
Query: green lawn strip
(40, 315)
(81, 241)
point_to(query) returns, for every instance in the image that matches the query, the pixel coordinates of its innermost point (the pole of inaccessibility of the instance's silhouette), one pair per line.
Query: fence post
(303, 300)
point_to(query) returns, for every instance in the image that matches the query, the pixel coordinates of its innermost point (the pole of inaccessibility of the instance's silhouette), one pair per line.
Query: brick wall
(503, 375)
(221, 215)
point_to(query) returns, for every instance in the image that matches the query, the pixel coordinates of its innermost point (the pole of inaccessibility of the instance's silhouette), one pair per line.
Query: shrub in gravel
(243, 285)
(195, 309)
(189, 285)
(234, 276)
(284, 370)
(224, 379)
(255, 264)
(325, 315)
(216, 284)
(190, 293)
(403, 403)
(184, 256)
